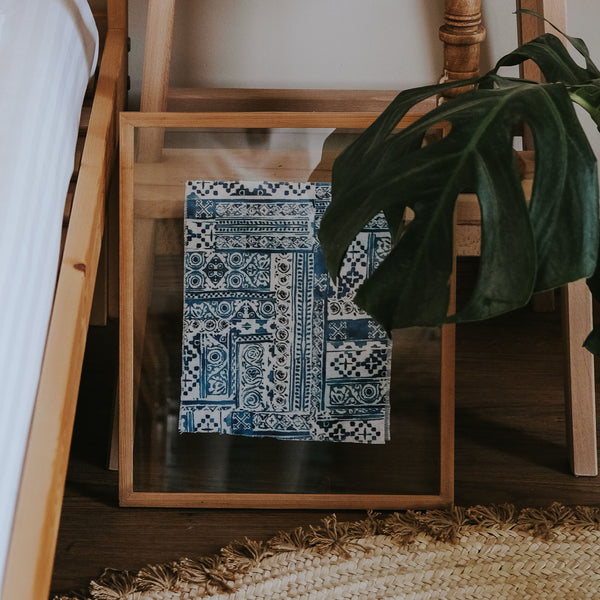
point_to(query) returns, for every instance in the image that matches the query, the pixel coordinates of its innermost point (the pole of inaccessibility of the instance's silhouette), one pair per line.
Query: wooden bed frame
(31, 553)
(35, 529)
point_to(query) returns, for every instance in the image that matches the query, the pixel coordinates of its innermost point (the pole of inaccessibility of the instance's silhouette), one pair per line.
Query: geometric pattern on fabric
(271, 346)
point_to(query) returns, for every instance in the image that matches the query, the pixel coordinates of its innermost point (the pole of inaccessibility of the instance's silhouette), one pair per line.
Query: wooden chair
(576, 300)
(462, 34)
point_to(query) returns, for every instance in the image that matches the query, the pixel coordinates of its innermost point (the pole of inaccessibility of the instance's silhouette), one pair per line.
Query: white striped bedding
(48, 51)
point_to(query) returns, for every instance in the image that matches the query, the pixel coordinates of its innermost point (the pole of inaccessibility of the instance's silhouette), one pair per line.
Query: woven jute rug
(480, 552)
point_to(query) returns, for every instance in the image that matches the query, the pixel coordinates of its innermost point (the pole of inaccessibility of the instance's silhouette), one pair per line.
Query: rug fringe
(114, 585)
(493, 516)
(291, 541)
(217, 573)
(208, 572)
(158, 578)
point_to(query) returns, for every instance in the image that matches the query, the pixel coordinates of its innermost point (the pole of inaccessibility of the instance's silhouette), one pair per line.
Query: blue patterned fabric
(271, 347)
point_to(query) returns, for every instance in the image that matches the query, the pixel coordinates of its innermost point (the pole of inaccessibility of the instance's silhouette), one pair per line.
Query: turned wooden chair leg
(462, 34)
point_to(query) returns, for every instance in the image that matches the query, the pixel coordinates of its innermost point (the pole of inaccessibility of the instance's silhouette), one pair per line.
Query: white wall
(370, 44)
(384, 44)
(583, 20)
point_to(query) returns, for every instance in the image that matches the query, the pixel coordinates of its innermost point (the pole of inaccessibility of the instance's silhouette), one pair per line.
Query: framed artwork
(247, 377)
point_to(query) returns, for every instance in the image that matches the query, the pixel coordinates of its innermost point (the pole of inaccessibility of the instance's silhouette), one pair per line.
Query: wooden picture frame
(137, 216)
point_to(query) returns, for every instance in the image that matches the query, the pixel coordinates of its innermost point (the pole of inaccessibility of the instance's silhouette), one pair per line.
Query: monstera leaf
(552, 57)
(526, 246)
(588, 97)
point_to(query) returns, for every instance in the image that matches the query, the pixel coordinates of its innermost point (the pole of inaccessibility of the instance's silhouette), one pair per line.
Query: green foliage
(526, 246)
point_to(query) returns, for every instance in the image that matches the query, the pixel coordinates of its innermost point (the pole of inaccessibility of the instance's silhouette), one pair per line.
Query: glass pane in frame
(158, 466)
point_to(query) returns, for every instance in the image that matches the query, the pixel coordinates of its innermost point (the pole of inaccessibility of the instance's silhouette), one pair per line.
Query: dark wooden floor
(510, 447)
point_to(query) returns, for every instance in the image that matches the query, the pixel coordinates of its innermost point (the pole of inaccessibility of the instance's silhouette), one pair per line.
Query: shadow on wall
(501, 24)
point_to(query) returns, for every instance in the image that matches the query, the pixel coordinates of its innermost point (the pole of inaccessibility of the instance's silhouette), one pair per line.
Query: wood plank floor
(510, 447)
